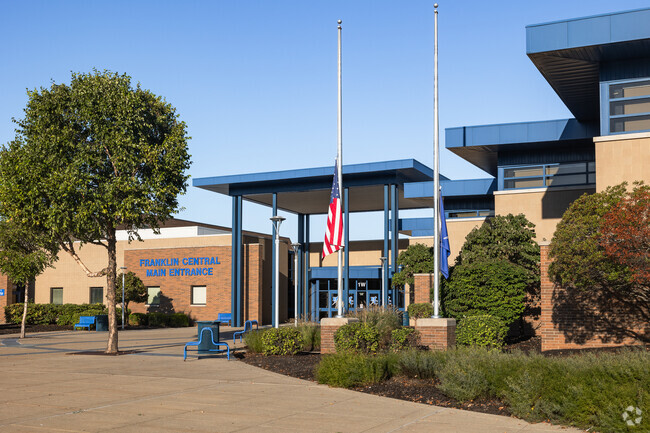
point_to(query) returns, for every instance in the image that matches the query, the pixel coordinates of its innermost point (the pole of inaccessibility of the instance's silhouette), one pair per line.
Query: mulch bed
(416, 390)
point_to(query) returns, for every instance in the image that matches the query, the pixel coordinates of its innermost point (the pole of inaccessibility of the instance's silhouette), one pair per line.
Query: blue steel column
(346, 234)
(274, 258)
(384, 295)
(394, 235)
(240, 265)
(300, 277)
(233, 259)
(308, 297)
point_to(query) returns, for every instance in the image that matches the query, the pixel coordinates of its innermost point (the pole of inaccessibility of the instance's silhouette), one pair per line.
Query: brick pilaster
(422, 287)
(328, 327)
(437, 334)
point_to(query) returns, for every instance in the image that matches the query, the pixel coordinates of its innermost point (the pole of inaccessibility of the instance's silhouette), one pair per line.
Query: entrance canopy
(307, 191)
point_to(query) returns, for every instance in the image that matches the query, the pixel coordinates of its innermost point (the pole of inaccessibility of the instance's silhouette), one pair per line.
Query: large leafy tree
(89, 157)
(24, 254)
(599, 263)
(496, 272)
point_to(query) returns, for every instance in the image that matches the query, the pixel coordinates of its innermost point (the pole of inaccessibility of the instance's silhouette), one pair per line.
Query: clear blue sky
(256, 80)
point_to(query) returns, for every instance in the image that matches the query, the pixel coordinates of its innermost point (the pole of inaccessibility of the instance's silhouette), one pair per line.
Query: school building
(599, 66)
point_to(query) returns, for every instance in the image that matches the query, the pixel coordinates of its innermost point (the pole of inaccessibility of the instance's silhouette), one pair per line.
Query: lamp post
(296, 249)
(277, 221)
(383, 281)
(123, 268)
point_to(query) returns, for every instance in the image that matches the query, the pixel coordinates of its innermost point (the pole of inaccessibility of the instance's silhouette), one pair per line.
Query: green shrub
(310, 335)
(494, 287)
(383, 320)
(50, 314)
(358, 337)
(403, 338)
(420, 310)
(178, 320)
(281, 341)
(354, 369)
(421, 363)
(483, 330)
(157, 320)
(253, 340)
(138, 319)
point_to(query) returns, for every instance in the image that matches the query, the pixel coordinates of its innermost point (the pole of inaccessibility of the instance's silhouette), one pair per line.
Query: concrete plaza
(46, 387)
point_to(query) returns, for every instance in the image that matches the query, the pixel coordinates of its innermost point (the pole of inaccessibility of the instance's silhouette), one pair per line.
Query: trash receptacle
(101, 322)
(206, 345)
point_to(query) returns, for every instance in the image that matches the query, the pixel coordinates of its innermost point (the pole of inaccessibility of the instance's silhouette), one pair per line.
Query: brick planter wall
(328, 327)
(437, 334)
(566, 323)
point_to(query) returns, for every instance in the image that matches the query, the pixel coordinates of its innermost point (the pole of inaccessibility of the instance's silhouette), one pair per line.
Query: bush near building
(482, 330)
(420, 310)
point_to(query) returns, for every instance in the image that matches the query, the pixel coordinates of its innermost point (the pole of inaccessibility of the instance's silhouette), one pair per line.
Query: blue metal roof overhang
(481, 145)
(570, 54)
(307, 191)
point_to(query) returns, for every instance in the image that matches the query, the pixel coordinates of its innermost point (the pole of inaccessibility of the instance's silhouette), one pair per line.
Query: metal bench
(225, 318)
(215, 343)
(248, 326)
(85, 322)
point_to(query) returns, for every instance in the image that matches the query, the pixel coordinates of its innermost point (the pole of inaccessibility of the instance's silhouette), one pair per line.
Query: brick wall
(422, 288)
(570, 320)
(328, 327)
(7, 299)
(176, 291)
(436, 334)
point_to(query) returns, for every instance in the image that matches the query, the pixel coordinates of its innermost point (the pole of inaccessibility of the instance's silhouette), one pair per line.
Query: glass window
(97, 295)
(566, 168)
(571, 179)
(629, 90)
(154, 296)
(524, 183)
(523, 172)
(486, 213)
(633, 106)
(199, 295)
(629, 124)
(56, 295)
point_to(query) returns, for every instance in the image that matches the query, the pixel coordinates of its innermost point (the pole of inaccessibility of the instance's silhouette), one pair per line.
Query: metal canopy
(307, 191)
(570, 54)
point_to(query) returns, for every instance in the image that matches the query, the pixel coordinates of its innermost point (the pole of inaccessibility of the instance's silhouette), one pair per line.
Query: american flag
(334, 232)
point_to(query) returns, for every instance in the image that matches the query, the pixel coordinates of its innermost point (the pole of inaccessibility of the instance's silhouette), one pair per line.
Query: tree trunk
(110, 291)
(22, 324)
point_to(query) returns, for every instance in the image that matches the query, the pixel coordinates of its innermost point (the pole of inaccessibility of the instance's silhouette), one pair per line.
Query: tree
(510, 238)
(601, 282)
(625, 233)
(134, 290)
(416, 259)
(90, 157)
(24, 254)
(496, 270)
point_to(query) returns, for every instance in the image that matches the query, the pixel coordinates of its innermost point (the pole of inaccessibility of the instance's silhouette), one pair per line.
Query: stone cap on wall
(438, 322)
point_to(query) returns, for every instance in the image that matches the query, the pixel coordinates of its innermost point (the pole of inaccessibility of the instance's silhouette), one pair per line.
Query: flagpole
(436, 174)
(339, 163)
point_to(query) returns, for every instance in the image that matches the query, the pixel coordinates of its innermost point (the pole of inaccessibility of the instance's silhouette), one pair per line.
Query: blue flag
(445, 251)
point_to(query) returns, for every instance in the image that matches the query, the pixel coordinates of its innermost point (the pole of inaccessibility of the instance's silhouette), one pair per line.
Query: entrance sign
(171, 267)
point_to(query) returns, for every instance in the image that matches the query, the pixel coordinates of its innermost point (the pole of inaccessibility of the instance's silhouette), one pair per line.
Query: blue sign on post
(2, 292)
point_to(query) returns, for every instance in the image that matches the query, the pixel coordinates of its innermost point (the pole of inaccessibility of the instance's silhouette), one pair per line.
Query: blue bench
(248, 326)
(225, 318)
(215, 343)
(85, 322)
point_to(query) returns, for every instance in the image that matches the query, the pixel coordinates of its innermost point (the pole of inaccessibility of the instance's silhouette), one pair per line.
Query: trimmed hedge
(482, 330)
(403, 339)
(358, 337)
(281, 341)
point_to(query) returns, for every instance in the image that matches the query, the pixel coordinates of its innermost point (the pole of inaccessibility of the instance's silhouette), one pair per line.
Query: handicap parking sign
(2, 292)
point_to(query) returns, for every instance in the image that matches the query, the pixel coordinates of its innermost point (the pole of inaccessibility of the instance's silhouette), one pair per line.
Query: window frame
(52, 289)
(90, 295)
(589, 169)
(157, 296)
(605, 108)
(205, 296)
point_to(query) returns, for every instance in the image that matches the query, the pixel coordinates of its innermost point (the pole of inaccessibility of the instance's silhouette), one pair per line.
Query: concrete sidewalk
(46, 388)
